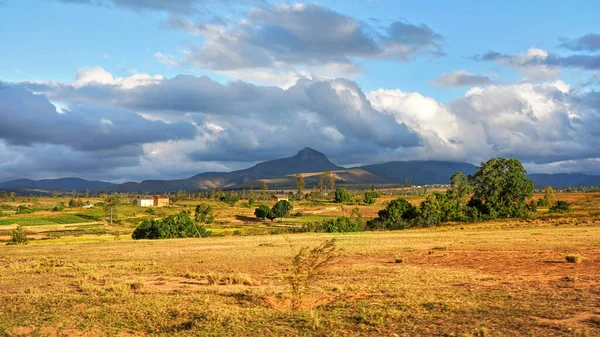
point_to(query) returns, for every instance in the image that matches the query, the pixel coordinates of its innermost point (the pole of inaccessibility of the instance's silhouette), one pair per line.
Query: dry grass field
(500, 278)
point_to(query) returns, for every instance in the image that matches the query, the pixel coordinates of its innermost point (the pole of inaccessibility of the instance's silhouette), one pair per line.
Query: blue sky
(418, 63)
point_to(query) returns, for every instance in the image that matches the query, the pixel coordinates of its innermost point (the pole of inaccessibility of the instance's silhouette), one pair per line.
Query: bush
(59, 207)
(398, 214)
(18, 236)
(573, 258)
(175, 226)
(22, 209)
(342, 195)
(341, 225)
(560, 207)
(204, 214)
(370, 197)
(532, 206)
(75, 203)
(262, 212)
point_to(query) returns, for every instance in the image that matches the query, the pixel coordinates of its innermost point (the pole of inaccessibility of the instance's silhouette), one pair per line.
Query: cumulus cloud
(460, 78)
(537, 123)
(285, 37)
(27, 119)
(239, 123)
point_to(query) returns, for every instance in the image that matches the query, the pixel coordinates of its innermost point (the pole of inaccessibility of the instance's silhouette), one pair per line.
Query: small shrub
(560, 207)
(573, 258)
(341, 225)
(306, 267)
(22, 209)
(204, 214)
(59, 207)
(401, 260)
(18, 236)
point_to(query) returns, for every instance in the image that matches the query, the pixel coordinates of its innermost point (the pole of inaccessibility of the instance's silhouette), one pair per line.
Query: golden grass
(500, 278)
(494, 277)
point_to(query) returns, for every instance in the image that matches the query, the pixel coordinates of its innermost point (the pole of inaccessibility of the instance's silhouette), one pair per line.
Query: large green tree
(281, 209)
(500, 188)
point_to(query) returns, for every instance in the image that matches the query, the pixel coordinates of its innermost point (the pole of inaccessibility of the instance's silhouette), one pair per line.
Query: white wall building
(145, 202)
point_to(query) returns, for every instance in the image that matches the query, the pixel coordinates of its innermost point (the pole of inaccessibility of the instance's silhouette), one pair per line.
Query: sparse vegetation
(573, 258)
(18, 236)
(305, 268)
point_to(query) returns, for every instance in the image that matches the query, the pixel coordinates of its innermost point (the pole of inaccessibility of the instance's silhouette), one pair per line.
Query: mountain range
(280, 174)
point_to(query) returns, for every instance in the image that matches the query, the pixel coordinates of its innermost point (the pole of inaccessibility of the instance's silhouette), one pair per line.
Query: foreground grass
(496, 279)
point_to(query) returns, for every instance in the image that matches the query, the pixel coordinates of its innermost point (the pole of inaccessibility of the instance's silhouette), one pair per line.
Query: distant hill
(306, 160)
(564, 180)
(419, 172)
(280, 174)
(62, 184)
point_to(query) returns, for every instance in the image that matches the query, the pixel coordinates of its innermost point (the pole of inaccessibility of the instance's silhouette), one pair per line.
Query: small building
(145, 201)
(161, 201)
(277, 198)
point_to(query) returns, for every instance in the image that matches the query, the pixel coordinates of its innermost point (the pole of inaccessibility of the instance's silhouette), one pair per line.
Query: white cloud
(99, 76)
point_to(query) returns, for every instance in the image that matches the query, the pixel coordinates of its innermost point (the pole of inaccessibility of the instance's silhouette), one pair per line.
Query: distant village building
(161, 201)
(154, 201)
(145, 201)
(277, 198)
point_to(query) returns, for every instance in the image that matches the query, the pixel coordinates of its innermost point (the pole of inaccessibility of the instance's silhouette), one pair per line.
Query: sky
(128, 90)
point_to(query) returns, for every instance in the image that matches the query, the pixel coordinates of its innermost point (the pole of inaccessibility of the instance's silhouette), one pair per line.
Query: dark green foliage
(281, 209)
(501, 187)
(457, 198)
(399, 214)
(532, 206)
(204, 214)
(342, 195)
(18, 236)
(175, 226)
(370, 196)
(435, 209)
(341, 225)
(75, 203)
(560, 207)
(22, 209)
(262, 212)
(229, 198)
